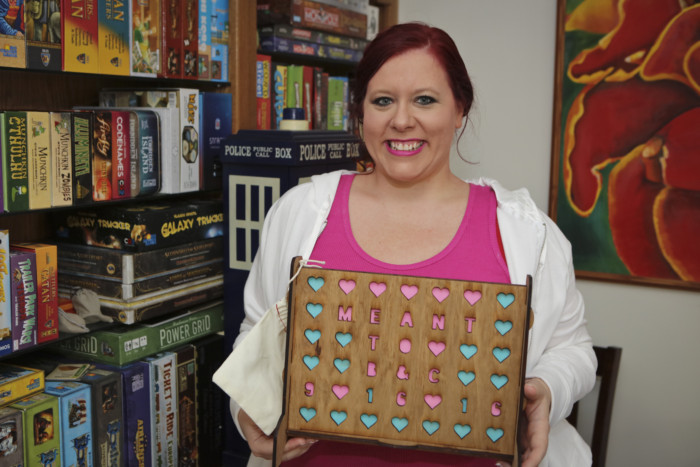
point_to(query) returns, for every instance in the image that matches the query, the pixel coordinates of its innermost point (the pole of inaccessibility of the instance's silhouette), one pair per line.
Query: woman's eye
(425, 100)
(381, 101)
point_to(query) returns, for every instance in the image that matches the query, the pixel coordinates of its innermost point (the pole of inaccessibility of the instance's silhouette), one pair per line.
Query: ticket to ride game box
(425, 363)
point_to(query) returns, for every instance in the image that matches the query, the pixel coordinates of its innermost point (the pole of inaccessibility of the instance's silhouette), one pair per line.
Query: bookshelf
(55, 90)
(39, 90)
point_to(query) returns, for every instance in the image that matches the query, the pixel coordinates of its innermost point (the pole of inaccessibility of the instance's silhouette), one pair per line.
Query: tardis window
(249, 200)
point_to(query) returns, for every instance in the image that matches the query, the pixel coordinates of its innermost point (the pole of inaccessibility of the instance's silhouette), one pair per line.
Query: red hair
(401, 38)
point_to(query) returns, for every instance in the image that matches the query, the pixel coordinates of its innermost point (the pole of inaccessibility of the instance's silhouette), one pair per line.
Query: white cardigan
(559, 347)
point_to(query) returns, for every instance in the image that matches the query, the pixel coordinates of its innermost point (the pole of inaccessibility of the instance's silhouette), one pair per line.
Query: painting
(625, 180)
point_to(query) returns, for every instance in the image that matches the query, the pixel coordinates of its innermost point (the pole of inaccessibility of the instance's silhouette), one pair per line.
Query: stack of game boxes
(158, 410)
(294, 35)
(143, 261)
(181, 39)
(28, 294)
(137, 143)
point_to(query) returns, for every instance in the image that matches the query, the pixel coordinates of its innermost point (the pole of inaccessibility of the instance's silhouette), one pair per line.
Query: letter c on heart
(401, 399)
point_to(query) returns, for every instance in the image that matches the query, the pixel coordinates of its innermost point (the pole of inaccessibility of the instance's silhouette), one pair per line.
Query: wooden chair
(608, 366)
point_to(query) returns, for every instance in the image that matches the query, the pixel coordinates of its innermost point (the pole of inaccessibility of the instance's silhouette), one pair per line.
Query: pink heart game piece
(472, 296)
(340, 391)
(377, 288)
(346, 285)
(440, 294)
(432, 401)
(409, 291)
(436, 347)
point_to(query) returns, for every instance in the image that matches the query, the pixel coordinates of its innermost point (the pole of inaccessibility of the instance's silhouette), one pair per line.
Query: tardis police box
(258, 167)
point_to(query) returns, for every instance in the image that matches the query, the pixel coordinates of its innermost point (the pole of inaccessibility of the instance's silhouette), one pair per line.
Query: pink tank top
(473, 254)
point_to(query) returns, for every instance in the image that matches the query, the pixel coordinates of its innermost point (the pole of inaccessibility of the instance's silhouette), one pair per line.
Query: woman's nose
(403, 117)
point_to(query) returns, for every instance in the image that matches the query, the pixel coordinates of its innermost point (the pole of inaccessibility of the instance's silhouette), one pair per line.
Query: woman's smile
(404, 148)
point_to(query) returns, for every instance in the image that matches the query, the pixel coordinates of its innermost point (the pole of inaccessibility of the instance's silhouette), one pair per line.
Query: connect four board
(406, 361)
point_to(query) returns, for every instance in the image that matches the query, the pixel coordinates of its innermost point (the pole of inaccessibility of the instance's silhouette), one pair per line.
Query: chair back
(608, 367)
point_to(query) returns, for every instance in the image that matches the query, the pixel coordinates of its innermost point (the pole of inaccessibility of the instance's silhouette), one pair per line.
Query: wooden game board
(407, 361)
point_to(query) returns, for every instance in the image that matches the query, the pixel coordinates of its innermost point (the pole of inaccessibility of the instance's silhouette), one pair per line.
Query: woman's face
(410, 117)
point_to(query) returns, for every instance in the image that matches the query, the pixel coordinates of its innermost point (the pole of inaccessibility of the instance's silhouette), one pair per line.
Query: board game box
(24, 299)
(13, 126)
(80, 36)
(107, 416)
(128, 267)
(215, 126)
(11, 437)
(42, 30)
(81, 129)
(164, 419)
(61, 159)
(152, 285)
(145, 37)
(125, 344)
(38, 155)
(187, 414)
(18, 381)
(136, 408)
(5, 295)
(13, 46)
(212, 404)
(42, 434)
(142, 227)
(75, 419)
(190, 37)
(113, 37)
(164, 303)
(219, 28)
(47, 289)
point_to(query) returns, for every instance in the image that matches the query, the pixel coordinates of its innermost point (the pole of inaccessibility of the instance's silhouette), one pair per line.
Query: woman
(411, 215)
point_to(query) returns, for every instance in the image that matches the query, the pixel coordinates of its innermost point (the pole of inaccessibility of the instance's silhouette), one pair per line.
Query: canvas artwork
(626, 142)
(401, 360)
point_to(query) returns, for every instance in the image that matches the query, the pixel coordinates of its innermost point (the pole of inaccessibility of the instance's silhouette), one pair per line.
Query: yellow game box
(17, 382)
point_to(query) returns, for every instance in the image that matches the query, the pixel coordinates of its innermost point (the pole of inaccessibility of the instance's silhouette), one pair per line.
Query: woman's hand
(262, 445)
(536, 434)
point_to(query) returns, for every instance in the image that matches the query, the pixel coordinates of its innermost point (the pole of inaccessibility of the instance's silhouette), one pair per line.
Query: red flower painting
(629, 134)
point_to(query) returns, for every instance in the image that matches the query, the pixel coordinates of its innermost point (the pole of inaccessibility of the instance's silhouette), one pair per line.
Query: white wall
(508, 47)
